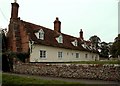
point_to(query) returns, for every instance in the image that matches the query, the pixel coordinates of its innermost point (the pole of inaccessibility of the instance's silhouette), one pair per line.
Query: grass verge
(95, 62)
(20, 80)
(14, 80)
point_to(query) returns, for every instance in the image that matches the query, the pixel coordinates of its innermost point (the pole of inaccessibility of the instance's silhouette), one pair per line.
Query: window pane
(42, 54)
(60, 54)
(41, 35)
(77, 55)
(86, 55)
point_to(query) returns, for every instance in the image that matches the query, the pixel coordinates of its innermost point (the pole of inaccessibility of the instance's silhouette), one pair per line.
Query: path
(82, 81)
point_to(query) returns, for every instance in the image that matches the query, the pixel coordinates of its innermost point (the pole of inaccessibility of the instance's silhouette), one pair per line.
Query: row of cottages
(47, 45)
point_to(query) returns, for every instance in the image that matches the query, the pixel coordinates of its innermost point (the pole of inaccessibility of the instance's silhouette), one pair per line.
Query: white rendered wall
(52, 55)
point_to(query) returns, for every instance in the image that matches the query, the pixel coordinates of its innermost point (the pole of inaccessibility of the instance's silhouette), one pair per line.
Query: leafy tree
(95, 40)
(3, 40)
(115, 48)
(104, 49)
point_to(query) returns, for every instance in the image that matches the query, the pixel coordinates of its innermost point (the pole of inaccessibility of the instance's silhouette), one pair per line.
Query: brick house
(47, 45)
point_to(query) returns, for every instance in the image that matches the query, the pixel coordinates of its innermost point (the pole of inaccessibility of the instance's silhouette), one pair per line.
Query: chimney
(14, 10)
(57, 25)
(81, 34)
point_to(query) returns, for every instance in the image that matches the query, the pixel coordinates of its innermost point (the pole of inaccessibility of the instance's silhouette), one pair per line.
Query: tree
(115, 48)
(95, 40)
(104, 47)
(3, 49)
(3, 40)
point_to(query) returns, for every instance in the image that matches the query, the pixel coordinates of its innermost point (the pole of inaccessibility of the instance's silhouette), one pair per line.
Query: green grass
(94, 62)
(20, 80)
(0, 77)
(11, 80)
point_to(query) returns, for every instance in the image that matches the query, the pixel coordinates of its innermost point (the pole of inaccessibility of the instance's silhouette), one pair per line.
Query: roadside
(82, 81)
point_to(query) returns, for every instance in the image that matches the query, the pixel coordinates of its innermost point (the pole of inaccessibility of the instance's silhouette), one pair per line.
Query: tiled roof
(50, 38)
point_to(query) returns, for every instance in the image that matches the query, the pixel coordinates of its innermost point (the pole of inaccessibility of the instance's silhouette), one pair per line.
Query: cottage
(47, 45)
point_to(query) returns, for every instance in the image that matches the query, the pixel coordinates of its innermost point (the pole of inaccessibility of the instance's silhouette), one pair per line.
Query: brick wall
(80, 71)
(17, 37)
(24, 38)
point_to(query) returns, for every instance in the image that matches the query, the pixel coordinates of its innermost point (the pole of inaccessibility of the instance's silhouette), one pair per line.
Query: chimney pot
(14, 10)
(57, 25)
(81, 34)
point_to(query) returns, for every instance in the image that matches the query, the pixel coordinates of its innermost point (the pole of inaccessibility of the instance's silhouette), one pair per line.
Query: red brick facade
(18, 40)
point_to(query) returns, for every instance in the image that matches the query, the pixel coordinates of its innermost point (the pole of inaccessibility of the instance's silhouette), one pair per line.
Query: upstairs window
(75, 43)
(40, 34)
(60, 39)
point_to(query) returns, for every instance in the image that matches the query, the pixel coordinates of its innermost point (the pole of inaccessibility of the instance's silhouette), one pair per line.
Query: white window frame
(60, 39)
(60, 54)
(40, 34)
(43, 54)
(75, 42)
(77, 55)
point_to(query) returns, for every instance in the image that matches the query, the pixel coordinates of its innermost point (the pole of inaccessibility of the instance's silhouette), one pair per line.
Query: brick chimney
(81, 34)
(57, 25)
(14, 10)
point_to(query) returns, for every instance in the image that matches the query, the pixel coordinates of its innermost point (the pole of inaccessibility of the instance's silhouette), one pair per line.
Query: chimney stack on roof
(81, 34)
(57, 25)
(14, 10)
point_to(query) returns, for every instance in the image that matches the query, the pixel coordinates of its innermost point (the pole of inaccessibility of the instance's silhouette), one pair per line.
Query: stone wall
(79, 71)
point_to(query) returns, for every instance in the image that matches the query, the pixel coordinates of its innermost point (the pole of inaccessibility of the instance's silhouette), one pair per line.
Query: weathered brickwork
(80, 71)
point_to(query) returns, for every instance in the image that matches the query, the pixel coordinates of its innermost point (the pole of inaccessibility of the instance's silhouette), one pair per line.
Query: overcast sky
(95, 17)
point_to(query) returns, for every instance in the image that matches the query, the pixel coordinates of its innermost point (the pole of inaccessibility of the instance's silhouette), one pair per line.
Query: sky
(94, 17)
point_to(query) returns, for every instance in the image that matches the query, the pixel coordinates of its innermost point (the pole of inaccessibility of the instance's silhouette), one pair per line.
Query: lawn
(0, 77)
(20, 80)
(14, 80)
(95, 62)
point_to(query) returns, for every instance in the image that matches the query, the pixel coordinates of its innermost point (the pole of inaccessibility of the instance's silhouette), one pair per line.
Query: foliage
(104, 49)
(22, 56)
(115, 48)
(18, 56)
(95, 40)
(3, 40)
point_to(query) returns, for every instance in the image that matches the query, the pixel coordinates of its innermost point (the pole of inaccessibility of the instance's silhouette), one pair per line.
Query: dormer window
(40, 34)
(75, 42)
(60, 39)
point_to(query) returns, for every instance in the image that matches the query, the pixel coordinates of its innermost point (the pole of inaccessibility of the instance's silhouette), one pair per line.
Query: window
(77, 55)
(96, 57)
(42, 54)
(67, 53)
(60, 54)
(60, 39)
(40, 34)
(92, 56)
(75, 43)
(72, 54)
(31, 45)
(86, 55)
